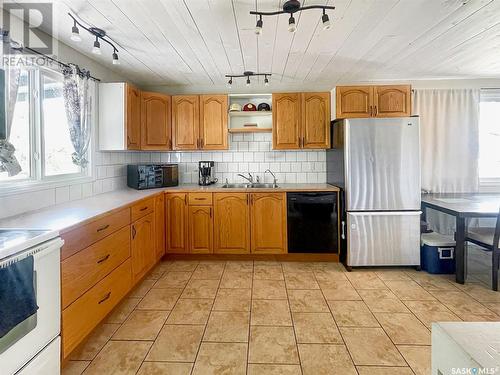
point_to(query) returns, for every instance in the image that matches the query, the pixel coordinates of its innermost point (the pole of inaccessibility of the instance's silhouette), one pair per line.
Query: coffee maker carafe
(206, 173)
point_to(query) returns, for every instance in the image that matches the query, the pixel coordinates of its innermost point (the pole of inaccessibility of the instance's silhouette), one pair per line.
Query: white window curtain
(449, 137)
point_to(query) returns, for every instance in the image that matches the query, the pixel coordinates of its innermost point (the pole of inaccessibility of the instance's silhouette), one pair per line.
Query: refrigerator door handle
(343, 230)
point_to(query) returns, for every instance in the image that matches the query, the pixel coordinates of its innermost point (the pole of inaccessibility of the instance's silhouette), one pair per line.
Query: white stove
(33, 345)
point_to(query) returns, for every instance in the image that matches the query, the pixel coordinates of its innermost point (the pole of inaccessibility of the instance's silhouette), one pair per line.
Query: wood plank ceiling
(194, 43)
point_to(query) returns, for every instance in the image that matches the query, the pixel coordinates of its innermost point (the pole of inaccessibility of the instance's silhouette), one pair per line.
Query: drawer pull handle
(144, 208)
(133, 232)
(105, 297)
(200, 199)
(103, 259)
(104, 227)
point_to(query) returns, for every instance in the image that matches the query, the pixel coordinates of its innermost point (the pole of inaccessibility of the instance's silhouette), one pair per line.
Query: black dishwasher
(312, 222)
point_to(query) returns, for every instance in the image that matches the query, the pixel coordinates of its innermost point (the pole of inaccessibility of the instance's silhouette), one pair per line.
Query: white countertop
(63, 216)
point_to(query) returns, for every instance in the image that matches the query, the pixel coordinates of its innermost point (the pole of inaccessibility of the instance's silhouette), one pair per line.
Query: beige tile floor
(258, 318)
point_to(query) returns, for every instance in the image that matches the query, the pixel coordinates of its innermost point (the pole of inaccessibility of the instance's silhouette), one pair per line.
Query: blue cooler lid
(437, 239)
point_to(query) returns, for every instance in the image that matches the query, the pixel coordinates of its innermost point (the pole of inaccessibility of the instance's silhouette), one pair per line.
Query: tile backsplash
(247, 153)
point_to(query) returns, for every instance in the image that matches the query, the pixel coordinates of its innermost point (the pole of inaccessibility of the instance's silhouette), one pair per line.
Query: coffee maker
(206, 173)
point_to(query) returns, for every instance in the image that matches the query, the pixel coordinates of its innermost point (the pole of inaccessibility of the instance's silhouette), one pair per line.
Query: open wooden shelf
(250, 130)
(250, 113)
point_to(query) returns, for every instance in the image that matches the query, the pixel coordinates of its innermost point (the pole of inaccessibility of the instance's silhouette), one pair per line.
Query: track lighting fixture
(258, 28)
(75, 33)
(325, 20)
(291, 7)
(291, 24)
(247, 75)
(97, 47)
(99, 35)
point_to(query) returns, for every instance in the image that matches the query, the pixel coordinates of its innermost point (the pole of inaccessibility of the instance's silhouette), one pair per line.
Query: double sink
(256, 185)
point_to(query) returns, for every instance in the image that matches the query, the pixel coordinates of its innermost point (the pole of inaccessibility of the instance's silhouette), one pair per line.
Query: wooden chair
(488, 238)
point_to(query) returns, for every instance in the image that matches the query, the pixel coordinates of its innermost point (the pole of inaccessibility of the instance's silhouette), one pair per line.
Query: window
(40, 132)
(489, 137)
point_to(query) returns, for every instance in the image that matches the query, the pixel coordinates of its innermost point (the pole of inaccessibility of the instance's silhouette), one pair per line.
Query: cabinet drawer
(200, 199)
(82, 316)
(87, 234)
(86, 268)
(142, 209)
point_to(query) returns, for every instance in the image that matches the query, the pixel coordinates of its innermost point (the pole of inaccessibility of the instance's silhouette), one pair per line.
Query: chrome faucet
(249, 178)
(275, 180)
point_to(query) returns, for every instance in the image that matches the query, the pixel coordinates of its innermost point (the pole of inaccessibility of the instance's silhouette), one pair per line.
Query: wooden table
(462, 207)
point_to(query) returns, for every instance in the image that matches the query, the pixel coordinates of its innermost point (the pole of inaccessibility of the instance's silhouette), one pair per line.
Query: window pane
(20, 131)
(489, 140)
(57, 143)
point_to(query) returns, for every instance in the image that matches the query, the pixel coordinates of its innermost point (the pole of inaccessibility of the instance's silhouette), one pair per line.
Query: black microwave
(150, 176)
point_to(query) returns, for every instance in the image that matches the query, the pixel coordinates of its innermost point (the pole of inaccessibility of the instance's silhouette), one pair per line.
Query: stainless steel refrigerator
(376, 162)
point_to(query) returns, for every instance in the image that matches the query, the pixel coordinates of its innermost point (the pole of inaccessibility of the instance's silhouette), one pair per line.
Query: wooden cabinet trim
(181, 128)
(286, 105)
(132, 117)
(200, 228)
(393, 106)
(230, 235)
(176, 223)
(270, 225)
(315, 123)
(156, 133)
(213, 122)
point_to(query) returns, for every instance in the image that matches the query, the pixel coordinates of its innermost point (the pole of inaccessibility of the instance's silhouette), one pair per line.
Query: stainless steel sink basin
(251, 186)
(264, 186)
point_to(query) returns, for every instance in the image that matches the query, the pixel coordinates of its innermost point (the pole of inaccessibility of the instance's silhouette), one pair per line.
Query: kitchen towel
(17, 294)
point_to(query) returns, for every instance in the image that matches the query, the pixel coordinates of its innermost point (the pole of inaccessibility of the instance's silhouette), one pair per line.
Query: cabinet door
(354, 101)
(155, 120)
(143, 246)
(392, 101)
(268, 222)
(213, 122)
(286, 121)
(316, 120)
(231, 223)
(200, 227)
(176, 223)
(185, 122)
(160, 225)
(133, 117)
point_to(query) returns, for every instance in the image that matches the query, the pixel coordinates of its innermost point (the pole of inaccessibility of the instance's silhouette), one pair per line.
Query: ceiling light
(75, 33)
(248, 81)
(325, 20)
(266, 81)
(258, 28)
(230, 82)
(115, 58)
(290, 7)
(97, 47)
(247, 74)
(291, 24)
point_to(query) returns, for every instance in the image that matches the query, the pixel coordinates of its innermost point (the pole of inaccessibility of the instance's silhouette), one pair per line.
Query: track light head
(325, 20)
(75, 33)
(115, 58)
(266, 81)
(248, 81)
(230, 82)
(292, 27)
(258, 28)
(97, 47)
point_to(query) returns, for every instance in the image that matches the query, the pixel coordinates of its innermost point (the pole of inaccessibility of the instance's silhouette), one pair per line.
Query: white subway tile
(232, 167)
(243, 146)
(285, 167)
(264, 146)
(248, 156)
(291, 178)
(258, 156)
(227, 156)
(301, 178)
(253, 167)
(237, 137)
(275, 167)
(290, 156)
(312, 156)
(301, 156)
(322, 155)
(263, 167)
(312, 177)
(217, 156)
(75, 192)
(242, 167)
(253, 146)
(248, 137)
(155, 157)
(62, 194)
(87, 190)
(306, 167)
(221, 167)
(238, 156)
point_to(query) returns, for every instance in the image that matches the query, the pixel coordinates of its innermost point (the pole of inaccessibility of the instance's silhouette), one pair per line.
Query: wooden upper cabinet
(286, 121)
(143, 246)
(185, 122)
(268, 222)
(160, 225)
(315, 120)
(231, 223)
(155, 121)
(176, 223)
(354, 101)
(133, 117)
(200, 227)
(392, 101)
(213, 122)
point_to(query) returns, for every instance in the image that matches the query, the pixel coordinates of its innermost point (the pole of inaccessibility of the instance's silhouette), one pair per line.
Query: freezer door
(383, 238)
(382, 164)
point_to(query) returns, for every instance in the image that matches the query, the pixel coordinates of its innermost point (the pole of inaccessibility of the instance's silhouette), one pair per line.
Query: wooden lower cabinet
(83, 315)
(176, 223)
(231, 223)
(200, 227)
(268, 223)
(143, 246)
(160, 226)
